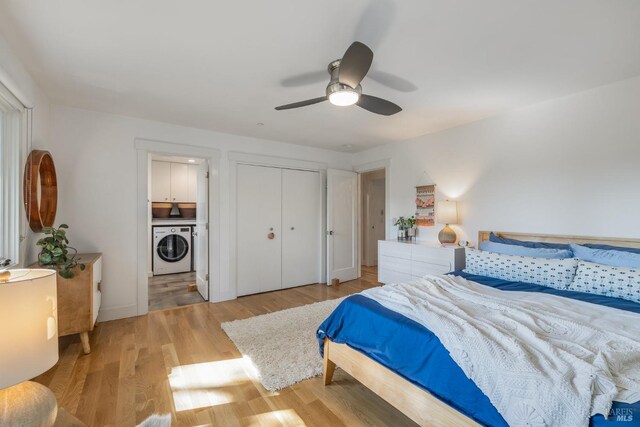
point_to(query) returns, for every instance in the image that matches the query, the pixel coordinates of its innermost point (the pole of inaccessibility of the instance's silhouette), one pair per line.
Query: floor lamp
(29, 346)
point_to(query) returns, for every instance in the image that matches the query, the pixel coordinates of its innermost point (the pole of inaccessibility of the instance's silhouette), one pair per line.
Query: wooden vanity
(79, 298)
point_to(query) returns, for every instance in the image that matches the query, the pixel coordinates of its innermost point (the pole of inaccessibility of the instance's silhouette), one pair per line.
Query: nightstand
(399, 261)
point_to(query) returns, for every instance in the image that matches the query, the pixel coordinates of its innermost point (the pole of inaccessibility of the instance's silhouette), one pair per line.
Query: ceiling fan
(344, 87)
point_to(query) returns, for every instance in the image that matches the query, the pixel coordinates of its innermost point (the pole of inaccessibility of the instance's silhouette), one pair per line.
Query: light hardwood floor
(171, 290)
(128, 375)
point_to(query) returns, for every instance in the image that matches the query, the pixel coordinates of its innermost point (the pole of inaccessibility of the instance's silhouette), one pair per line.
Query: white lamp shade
(28, 325)
(447, 212)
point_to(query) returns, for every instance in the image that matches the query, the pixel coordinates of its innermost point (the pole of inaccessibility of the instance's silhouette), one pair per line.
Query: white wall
(96, 164)
(15, 76)
(566, 166)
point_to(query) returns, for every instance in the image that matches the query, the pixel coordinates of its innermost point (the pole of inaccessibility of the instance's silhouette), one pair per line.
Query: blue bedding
(415, 353)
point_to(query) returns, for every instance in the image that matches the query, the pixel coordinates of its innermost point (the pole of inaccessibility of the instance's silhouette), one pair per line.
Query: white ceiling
(221, 65)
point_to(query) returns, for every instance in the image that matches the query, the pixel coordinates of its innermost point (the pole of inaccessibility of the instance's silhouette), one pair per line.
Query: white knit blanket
(541, 359)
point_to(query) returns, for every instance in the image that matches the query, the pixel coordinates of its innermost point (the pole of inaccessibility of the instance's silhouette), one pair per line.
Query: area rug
(282, 345)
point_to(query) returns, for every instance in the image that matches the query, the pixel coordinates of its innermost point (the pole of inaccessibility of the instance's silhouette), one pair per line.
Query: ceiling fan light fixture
(344, 98)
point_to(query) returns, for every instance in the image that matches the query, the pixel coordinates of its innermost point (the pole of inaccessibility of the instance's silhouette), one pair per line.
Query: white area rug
(282, 345)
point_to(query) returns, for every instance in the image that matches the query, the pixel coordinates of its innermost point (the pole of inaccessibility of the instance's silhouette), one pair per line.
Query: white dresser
(400, 261)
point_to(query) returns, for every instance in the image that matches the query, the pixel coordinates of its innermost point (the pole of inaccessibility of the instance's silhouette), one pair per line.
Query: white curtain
(12, 114)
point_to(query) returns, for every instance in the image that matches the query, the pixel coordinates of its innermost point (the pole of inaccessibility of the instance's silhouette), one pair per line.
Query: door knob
(292, 228)
(271, 236)
(330, 233)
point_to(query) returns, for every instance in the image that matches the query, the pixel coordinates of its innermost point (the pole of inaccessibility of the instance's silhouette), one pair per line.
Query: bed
(405, 363)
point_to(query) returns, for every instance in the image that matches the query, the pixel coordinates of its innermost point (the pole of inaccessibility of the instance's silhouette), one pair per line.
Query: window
(12, 113)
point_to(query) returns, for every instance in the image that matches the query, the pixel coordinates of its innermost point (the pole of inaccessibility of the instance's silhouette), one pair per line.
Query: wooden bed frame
(413, 401)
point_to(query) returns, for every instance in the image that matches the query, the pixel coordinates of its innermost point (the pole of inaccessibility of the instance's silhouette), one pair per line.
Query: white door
(301, 227)
(342, 225)
(374, 218)
(160, 181)
(201, 232)
(179, 182)
(259, 237)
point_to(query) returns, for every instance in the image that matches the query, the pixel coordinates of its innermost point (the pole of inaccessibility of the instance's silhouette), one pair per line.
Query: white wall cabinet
(160, 181)
(173, 182)
(193, 182)
(400, 261)
(278, 228)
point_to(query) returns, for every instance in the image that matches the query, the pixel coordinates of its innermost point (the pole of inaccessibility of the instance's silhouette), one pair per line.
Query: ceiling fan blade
(355, 64)
(392, 81)
(305, 79)
(378, 105)
(301, 103)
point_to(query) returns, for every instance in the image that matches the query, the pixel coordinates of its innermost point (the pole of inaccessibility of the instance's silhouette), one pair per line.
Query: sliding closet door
(259, 238)
(301, 227)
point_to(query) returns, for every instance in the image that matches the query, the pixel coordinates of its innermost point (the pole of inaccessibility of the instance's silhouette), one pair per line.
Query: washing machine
(171, 249)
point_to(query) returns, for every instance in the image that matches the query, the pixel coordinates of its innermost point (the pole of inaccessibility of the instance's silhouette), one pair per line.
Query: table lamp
(29, 346)
(447, 213)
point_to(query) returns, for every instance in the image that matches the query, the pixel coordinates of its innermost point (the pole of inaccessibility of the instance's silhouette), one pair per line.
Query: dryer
(171, 249)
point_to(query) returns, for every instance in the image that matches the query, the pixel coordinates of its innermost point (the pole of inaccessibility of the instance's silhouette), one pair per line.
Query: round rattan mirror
(40, 190)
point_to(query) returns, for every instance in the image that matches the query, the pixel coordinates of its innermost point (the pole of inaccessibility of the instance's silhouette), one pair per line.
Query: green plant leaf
(66, 273)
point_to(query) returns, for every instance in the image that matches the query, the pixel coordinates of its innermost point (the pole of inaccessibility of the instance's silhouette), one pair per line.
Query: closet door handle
(271, 236)
(292, 228)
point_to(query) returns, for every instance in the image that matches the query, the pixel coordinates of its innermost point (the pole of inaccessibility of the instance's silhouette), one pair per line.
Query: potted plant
(411, 227)
(55, 251)
(401, 223)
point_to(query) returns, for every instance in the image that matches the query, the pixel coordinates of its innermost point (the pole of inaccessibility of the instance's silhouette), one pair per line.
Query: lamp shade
(447, 212)
(28, 325)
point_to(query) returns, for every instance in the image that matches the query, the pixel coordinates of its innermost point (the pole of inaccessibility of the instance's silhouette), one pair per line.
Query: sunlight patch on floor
(287, 417)
(202, 385)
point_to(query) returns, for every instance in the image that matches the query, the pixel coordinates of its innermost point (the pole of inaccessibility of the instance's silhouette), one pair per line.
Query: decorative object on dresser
(40, 190)
(29, 347)
(447, 213)
(402, 261)
(55, 251)
(425, 202)
(79, 299)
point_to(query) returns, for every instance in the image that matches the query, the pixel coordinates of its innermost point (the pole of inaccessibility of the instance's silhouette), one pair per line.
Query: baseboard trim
(113, 313)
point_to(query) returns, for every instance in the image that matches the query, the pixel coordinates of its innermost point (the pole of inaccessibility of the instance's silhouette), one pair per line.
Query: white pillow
(618, 282)
(554, 273)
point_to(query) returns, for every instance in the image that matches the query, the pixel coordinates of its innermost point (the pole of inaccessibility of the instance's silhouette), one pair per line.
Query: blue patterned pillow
(618, 282)
(554, 273)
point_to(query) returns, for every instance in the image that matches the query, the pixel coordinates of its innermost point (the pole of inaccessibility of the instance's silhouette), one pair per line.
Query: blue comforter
(415, 353)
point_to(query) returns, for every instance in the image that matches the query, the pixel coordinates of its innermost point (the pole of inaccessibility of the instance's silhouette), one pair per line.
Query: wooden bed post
(328, 366)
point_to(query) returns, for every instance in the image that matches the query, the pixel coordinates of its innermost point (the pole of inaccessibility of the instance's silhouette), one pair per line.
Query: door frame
(144, 149)
(370, 167)
(236, 158)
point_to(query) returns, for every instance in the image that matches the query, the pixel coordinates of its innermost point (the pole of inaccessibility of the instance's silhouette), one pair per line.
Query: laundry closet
(279, 228)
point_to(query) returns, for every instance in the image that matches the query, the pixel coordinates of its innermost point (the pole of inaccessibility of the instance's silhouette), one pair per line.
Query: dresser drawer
(394, 249)
(399, 265)
(388, 277)
(421, 269)
(431, 254)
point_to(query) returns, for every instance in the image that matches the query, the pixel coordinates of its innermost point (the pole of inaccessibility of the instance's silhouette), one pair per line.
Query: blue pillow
(612, 248)
(526, 244)
(548, 253)
(606, 257)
